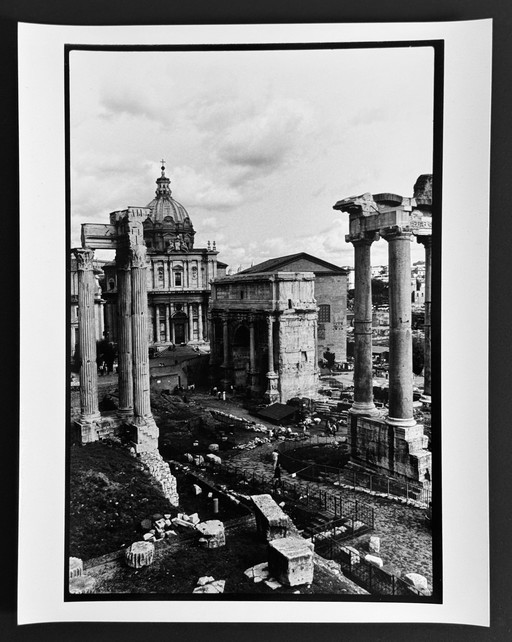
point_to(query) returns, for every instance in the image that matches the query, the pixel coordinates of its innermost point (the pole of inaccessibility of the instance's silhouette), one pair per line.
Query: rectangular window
(324, 314)
(177, 278)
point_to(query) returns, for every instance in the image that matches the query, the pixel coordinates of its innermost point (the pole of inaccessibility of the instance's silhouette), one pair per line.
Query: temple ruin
(395, 443)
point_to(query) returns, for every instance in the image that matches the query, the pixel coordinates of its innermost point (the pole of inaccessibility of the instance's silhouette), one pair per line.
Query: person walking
(276, 482)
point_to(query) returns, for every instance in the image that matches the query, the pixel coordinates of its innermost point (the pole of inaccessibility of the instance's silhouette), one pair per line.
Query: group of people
(220, 391)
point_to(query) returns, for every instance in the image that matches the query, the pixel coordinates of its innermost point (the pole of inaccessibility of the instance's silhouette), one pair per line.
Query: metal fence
(355, 478)
(375, 580)
(359, 515)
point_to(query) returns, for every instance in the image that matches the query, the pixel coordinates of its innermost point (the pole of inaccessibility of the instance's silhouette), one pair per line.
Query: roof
(280, 263)
(277, 412)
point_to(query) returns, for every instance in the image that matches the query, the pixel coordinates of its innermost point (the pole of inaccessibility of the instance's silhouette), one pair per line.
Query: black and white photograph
(250, 342)
(255, 277)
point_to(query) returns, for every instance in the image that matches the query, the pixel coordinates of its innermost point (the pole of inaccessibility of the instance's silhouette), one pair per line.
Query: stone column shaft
(141, 396)
(225, 342)
(87, 336)
(190, 322)
(252, 356)
(200, 321)
(363, 364)
(427, 372)
(400, 332)
(167, 324)
(270, 324)
(157, 322)
(124, 312)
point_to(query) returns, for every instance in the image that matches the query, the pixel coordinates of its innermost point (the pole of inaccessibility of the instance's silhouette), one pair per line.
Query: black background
(149, 12)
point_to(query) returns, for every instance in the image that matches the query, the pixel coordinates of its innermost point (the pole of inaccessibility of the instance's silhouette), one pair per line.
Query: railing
(355, 478)
(370, 577)
(310, 495)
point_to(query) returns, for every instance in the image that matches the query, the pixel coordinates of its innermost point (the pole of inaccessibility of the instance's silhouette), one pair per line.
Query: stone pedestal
(76, 567)
(212, 533)
(272, 392)
(271, 521)
(82, 584)
(140, 554)
(290, 561)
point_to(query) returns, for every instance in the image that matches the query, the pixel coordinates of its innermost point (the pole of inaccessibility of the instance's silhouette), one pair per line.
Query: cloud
(262, 141)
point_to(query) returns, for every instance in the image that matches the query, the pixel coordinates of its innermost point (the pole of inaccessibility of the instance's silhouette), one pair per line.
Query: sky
(259, 145)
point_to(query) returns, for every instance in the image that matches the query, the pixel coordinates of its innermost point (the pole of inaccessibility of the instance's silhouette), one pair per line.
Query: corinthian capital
(138, 256)
(84, 258)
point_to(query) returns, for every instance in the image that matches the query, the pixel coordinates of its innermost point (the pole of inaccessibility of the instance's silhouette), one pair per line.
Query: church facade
(178, 274)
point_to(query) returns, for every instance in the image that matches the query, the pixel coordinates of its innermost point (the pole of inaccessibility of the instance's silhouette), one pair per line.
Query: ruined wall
(297, 369)
(392, 450)
(332, 334)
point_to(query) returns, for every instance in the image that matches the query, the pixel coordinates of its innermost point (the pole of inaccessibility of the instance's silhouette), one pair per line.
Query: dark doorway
(179, 333)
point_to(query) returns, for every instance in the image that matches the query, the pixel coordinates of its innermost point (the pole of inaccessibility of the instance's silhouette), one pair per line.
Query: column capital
(84, 258)
(138, 255)
(362, 238)
(425, 240)
(396, 232)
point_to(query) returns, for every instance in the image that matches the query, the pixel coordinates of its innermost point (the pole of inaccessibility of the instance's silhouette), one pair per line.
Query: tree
(380, 292)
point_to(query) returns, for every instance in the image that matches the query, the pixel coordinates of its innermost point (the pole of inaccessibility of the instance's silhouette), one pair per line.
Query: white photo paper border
(464, 299)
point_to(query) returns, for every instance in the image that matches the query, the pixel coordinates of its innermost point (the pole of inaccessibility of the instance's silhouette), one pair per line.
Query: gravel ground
(406, 539)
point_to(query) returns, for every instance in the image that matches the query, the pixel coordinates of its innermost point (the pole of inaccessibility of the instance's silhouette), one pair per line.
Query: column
(225, 340)
(200, 321)
(270, 326)
(363, 364)
(154, 273)
(124, 312)
(252, 354)
(167, 324)
(157, 323)
(140, 356)
(190, 322)
(272, 393)
(173, 338)
(211, 338)
(426, 241)
(400, 334)
(87, 336)
(165, 265)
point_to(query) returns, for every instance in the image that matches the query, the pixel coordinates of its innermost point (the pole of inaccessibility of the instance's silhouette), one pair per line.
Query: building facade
(178, 274)
(263, 334)
(331, 284)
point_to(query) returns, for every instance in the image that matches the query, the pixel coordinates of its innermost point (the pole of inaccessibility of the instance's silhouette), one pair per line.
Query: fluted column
(87, 336)
(124, 312)
(400, 331)
(167, 324)
(200, 321)
(363, 364)
(141, 396)
(426, 241)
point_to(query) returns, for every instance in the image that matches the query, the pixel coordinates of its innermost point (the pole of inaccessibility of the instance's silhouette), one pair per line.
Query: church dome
(164, 205)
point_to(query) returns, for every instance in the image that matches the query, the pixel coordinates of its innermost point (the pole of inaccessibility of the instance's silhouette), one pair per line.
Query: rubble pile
(161, 473)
